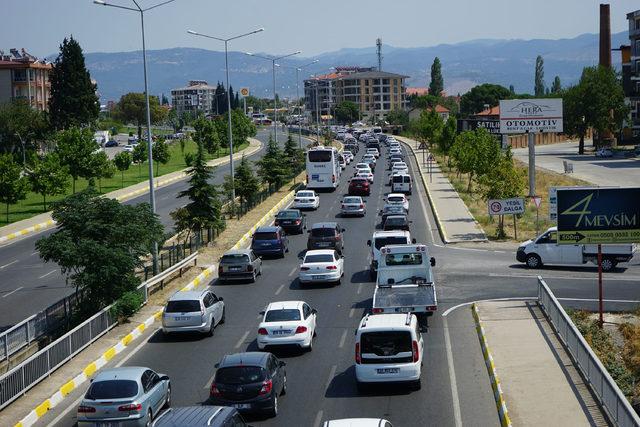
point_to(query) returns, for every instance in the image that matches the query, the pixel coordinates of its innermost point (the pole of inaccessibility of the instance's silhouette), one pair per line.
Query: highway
(28, 285)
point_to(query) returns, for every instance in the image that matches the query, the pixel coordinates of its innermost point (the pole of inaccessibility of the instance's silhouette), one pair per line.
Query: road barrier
(595, 374)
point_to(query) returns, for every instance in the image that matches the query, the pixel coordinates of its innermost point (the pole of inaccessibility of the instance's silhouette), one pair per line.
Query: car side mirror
(282, 363)
(368, 242)
(220, 299)
(433, 262)
(413, 240)
(343, 230)
(164, 377)
(261, 313)
(217, 365)
(314, 311)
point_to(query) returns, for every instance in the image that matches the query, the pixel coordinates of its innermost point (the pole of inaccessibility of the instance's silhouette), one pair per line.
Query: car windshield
(394, 221)
(112, 389)
(265, 236)
(323, 232)
(359, 181)
(240, 375)
(386, 343)
(390, 240)
(317, 156)
(182, 306)
(403, 259)
(282, 315)
(234, 258)
(288, 214)
(318, 258)
(305, 194)
(351, 200)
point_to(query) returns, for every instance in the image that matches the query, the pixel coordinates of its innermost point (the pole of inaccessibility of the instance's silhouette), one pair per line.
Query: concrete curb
(159, 183)
(501, 404)
(89, 370)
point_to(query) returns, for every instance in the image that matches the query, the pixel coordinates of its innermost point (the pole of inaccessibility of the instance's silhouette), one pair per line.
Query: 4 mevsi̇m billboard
(598, 215)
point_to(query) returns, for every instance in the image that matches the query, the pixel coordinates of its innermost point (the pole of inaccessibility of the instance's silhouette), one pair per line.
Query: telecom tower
(379, 45)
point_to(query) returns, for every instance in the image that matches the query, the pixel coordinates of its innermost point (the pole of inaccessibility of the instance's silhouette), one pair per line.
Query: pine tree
(512, 90)
(231, 98)
(556, 87)
(236, 101)
(73, 99)
(437, 82)
(539, 78)
(246, 183)
(293, 156)
(271, 169)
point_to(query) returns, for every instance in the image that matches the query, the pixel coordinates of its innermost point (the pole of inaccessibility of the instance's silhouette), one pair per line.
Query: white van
(401, 183)
(389, 348)
(385, 238)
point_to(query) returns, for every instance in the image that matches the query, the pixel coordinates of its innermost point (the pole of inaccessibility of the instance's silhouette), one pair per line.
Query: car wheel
(167, 401)
(533, 261)
(273, 412)
(608, 264)
(284, 385)
(224, 313)
(260, 270)
(211, 328)
(149, 419)
(253, 277)
(310, 346)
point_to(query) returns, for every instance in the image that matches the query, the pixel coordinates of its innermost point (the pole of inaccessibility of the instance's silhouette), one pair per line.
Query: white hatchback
(287, 323)
(397, 199)
(365, 174)
(362, 167)
(321, 266)
(306, 199)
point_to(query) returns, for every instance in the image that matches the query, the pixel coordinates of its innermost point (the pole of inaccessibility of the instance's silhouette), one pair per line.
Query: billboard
(493, 126)
(506, 206)
(598, 215)
(531, 115)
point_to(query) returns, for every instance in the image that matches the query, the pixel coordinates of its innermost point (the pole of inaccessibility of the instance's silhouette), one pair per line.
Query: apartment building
(375, 92)
(631, 75)
(197, 97)
(25, 77)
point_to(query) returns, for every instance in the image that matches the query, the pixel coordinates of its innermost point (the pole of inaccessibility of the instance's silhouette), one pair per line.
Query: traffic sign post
(537, 201)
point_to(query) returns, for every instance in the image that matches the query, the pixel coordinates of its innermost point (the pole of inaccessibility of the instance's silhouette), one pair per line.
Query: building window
(366, 82)
(385, 81)
(637, 24)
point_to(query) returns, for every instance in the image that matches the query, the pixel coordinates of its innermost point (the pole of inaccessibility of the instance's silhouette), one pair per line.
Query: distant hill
(464, 64)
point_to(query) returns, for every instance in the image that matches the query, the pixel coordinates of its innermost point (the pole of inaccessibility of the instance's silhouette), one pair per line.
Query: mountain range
(464, 65)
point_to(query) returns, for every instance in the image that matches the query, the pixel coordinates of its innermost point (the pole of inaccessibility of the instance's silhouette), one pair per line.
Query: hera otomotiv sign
(531, 115)
(598, 215)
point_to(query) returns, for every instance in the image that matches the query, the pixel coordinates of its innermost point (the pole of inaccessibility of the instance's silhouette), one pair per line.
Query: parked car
(124, 396)
(128, 148)
(326, 235)
(270, 241)
(604, 152)
(321, 266)
(291, 220)
(353, 205)
(239, 264)
(111, 143)
(193, 311)
(359, 186)
(396, 222)
(290, 323)
(249, 382)
(306, 199)
(200, 416)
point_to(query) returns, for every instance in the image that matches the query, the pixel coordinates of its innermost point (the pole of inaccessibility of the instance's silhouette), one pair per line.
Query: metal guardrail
(604, 387)
(150, 284)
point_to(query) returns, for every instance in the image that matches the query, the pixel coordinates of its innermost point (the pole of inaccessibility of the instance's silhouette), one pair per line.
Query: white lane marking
(327, 215)
(342, 339)
(332, 373)
(352, 312)
(7, 265)
(293, 270)
(535, 276)
(318, 420)
(12, 292)
(209, 381)
(34, 253)
(279, 289)
(455, 307)
(359, 288)
(242, 338)
(45, 275)
(594, 300)
(452, 376)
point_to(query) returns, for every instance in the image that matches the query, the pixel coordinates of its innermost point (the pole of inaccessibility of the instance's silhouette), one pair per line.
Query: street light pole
(226, 66)
(298, 69)
(152, 195)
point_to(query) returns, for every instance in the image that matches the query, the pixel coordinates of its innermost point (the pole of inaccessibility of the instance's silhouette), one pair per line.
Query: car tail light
(267, 386)
(376, 311)
(220, 269)
(333, 178)
(301, 329)
(296, 200)
(304, 268)
(250, 268)
(86, 409)
(361, 206)
(214, 390)
(416, 351)
(343, 206)
(262, 331)
(298, 221)
(358, 355)
(331, 267)
(130, 407)
(431, 308)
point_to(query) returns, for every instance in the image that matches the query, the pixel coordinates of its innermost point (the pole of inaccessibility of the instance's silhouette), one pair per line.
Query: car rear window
(287, 214)
(240, 375)
(304, 194)
(397, 179)
(394, 221)
(391, 240)
(282, 315)
(386, 343)
(182, 306)
(323, 232)
(319, 258)
(351, 200)
(316, 156)
(234, 259)
(359, 181)
(395, 199)
(112, 389)
(265, 236)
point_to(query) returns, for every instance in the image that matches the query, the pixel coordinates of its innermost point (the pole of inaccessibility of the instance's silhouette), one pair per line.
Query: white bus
(323, 168)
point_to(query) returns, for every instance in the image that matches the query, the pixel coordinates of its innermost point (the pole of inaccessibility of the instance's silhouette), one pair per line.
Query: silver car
(353, 205)
(193, 311)
(239, 264)
(125, 396)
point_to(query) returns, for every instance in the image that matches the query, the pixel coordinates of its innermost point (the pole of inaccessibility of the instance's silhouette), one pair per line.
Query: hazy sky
(310, 26)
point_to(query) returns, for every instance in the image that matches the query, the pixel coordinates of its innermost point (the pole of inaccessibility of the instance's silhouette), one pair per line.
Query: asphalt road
(28, 285)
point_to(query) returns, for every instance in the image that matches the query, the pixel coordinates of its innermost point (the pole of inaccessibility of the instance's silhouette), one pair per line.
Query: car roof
(187, 295)
(390, 233)
(257, 358)
(396, 217)
(325, 225)
(384, 320)
(395, 195)
(280, 305)
(238, 252)
(320, 252)
(305, 191)
(267, 229)
(194, 416)
(297, 211)
(122, 373)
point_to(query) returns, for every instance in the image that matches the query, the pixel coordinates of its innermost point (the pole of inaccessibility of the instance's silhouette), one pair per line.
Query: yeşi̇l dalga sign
(531, 115)
(506, 206)
(598, 215)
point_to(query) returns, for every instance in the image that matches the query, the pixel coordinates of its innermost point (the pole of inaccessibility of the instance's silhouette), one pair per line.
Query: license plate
(283, 332)
(315, 277)
(266, 244)
(324, 244)
(107, 424)
(388, 370)
(234, 268)
(286, 222)
(405, 309)
(183, 318)
(242, 405)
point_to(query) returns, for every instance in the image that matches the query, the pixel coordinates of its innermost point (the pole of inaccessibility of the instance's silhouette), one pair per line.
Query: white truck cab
(384, 238)
(545, 249)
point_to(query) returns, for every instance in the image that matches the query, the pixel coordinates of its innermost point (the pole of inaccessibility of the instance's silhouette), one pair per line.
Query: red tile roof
(493, 111)
(417, 91)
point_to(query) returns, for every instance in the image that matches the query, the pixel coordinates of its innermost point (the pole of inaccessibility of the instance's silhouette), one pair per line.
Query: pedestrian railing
(604, 387)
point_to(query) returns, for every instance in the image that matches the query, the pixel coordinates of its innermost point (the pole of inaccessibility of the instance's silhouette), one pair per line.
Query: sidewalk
(44, 221)
(540, 385)
(455, 222)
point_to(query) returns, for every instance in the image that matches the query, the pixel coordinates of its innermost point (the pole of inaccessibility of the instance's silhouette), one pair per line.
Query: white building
(197, 97)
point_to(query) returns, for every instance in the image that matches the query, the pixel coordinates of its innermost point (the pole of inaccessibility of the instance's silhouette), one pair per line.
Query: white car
(397, 199)
(358, 422)
(129, 148)
(604, 152)
(287, 323)
(362, 167)
(321, 266)
(348, 156)
(306, 199)
(395, 150)
(353, 205)
(365, 174)
(369, 158)
(373, 151)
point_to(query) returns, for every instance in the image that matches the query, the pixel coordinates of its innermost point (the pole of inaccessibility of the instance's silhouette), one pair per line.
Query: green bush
(189, 158)
(127, 305)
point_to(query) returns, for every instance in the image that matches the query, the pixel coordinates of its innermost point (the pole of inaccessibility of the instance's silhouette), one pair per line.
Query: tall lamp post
(226, 66)
(152, 195)
(298, 69)
(273, 60)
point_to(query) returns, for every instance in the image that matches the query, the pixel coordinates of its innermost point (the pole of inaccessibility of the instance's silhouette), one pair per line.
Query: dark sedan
(396, 222)
(291, 220)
